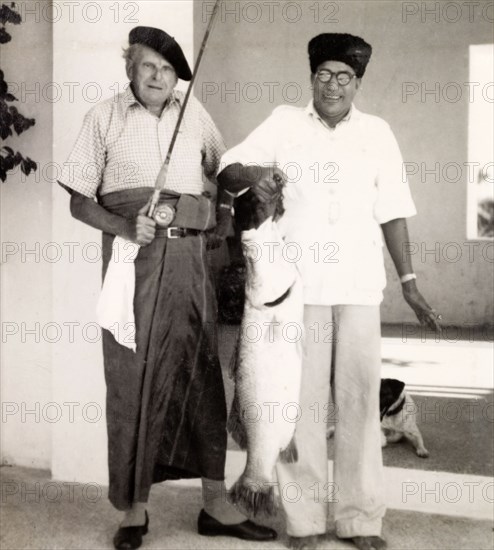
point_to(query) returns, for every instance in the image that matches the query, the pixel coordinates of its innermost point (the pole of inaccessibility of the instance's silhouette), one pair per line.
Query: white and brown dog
(399, 416)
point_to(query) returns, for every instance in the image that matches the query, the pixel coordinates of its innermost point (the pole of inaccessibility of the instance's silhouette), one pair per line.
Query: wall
(72, 52)
(56, 369)
(257, 59)
(28, 338)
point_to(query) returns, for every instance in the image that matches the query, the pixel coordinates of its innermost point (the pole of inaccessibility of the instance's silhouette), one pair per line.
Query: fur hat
(349, 49)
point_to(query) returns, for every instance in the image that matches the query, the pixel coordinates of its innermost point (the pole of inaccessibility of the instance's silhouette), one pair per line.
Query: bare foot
(303, 543)
(369, 543)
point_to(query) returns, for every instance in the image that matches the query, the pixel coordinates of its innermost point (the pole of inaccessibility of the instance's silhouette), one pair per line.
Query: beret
(349, 49)
(165, 45)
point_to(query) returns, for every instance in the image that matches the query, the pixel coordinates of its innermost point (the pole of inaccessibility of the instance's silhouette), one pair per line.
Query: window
(480, 215)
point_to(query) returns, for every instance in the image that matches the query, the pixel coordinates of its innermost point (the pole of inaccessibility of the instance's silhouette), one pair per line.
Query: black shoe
(129, 538)
(247, 530)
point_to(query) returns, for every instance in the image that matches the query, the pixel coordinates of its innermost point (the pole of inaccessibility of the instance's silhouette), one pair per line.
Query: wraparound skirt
(166, 410)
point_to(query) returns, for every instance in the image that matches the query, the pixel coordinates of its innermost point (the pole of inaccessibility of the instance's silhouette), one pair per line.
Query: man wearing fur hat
(344, 188)
(166, 410)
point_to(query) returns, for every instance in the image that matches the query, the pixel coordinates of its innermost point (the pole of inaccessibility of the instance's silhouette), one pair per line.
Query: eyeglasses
(343, 78)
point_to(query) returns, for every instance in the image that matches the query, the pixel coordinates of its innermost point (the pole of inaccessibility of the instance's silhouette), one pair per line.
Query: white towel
(115, 309)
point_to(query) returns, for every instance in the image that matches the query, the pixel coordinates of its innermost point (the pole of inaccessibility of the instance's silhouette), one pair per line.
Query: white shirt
(343, 182)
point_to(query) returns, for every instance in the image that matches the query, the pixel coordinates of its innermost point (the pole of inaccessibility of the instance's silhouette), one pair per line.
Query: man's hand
(268, 186)
(425, 314)
(264, 181)
(396, 237)
(224, 225)
(142, 229)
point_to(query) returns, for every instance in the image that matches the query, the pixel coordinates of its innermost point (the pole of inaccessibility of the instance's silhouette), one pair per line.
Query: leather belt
(179, 232)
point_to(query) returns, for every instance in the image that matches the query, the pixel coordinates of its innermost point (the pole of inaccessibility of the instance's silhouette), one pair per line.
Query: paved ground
(85, 520)
(445, 502)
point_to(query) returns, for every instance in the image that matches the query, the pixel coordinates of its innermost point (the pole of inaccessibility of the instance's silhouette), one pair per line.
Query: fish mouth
(279, 300)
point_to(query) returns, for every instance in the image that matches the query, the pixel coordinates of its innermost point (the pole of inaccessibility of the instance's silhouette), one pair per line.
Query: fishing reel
(163, 215)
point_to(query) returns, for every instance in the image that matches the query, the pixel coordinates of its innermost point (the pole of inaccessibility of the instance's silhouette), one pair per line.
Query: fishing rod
(163, 215)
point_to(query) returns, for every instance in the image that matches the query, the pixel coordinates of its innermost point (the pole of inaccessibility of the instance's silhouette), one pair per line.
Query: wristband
(407, 277)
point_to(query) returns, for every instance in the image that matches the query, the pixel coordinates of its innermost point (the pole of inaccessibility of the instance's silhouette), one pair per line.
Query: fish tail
(235, 425)
(290, 454)
(253, 498)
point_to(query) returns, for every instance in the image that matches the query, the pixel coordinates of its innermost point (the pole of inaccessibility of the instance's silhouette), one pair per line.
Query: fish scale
(267, 367)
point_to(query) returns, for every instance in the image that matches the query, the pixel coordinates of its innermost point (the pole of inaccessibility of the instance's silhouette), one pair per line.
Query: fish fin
(290, 454)
(235, 425)
(254, 498)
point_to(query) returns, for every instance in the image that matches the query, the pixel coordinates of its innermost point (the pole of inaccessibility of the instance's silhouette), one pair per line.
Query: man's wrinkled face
(331, 99)
(153, 78)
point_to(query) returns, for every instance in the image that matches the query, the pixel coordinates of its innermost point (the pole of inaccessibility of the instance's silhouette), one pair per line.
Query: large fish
(267, 364)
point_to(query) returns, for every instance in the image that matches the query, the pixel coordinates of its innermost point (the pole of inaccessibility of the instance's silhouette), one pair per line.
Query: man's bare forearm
(237, 177)
(266, 182)
(396, 236)
(91, 213)
(224, 200)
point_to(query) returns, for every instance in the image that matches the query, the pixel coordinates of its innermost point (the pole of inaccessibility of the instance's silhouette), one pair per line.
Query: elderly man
(166, 410)
(343, 185)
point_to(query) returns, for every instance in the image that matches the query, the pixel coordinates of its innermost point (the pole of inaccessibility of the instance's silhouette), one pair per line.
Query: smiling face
(153, 78)
(332, 100)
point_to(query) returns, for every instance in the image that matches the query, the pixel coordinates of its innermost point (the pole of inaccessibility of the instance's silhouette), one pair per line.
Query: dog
(398, 416)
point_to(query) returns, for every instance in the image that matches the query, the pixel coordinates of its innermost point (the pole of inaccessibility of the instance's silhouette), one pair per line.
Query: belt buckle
(169, 232)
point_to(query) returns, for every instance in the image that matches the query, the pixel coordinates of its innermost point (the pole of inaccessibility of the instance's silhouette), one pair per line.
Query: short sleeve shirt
(122, 146)
(343, 182)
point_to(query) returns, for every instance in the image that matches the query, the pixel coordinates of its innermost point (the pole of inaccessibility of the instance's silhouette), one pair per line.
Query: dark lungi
(166, 410)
